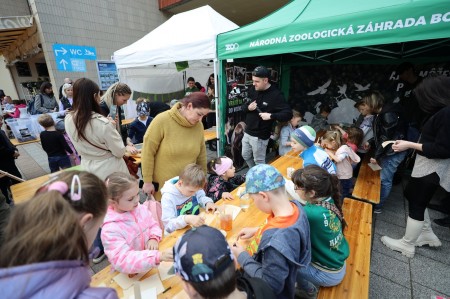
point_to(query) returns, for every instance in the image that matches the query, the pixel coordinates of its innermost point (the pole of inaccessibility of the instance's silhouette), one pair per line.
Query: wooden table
(250, 218)
(283, 162)
(23, 191)
(368, 183)
(210, 134)
(127, 121)
(16, 142)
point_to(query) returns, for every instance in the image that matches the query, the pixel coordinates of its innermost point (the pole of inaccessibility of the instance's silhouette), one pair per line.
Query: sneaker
(378, 211)
(443, 221)
(302, 294)
(100, 257)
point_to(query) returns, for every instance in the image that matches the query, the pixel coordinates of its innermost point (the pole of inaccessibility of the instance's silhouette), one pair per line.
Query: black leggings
(419, 192)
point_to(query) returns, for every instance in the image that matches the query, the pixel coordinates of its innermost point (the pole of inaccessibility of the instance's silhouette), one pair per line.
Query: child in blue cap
(303, 141)
(206, 266)
(281, 245)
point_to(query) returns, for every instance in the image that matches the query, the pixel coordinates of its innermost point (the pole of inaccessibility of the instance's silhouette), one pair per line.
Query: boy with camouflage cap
(282, 243)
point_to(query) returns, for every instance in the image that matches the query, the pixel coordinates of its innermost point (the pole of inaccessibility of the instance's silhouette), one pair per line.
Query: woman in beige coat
(94, 136)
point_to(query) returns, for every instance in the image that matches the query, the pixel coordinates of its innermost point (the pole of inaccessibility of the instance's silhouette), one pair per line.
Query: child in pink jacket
(130, 234)
(344, 156)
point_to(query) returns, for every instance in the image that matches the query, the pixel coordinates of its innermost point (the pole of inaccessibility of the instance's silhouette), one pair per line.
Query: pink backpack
(155, 209)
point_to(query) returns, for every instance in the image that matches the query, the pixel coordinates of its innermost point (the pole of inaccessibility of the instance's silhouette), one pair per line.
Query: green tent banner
(328, 24)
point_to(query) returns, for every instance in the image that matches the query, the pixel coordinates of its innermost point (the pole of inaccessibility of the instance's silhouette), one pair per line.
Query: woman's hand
(131, 149)
(227, 195)
(112, 121)
(401, 145)
(247, 233)
(148, 188)
(373, 161)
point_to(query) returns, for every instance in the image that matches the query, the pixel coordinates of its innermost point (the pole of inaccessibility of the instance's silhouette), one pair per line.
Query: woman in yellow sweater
(174, 139)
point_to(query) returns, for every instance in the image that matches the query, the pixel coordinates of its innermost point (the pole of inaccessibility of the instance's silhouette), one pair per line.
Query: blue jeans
(98, 241)
(311, 275)
(254, 150)
(57, 162)
(346, 185)
(389, 165)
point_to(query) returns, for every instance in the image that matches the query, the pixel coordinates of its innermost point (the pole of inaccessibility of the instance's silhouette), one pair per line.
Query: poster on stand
(107, 74)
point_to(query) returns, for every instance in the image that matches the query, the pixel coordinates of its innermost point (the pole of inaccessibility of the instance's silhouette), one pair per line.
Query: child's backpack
(30, 105)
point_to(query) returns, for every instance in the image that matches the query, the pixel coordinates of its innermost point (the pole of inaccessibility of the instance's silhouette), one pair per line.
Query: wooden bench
(368, 183)
(359, 235)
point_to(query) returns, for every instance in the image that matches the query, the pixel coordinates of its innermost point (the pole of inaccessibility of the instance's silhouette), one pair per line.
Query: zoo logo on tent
(232, 47)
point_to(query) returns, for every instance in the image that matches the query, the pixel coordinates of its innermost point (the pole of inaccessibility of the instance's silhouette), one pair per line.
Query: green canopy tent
(329, 31)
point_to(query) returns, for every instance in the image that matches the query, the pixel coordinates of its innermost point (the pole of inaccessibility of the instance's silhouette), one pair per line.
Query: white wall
(104, 24)
(6, 81)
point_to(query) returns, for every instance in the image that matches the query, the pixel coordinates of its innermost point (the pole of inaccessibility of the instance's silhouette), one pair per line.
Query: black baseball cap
(261, 72)
(201, 254)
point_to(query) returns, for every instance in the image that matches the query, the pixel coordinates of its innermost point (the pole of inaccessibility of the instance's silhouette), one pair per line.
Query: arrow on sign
(64, 51)
(64, 63)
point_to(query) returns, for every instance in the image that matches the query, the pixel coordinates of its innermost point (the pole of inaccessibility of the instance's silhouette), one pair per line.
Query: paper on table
(233, 209)
(126, 282)
(384, 144)
(163, 269)
(152, 282)
(209, 217)
(374, 166)
(145, 293)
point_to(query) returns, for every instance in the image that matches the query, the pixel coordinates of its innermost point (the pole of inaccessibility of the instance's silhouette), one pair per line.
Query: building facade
(29, 29)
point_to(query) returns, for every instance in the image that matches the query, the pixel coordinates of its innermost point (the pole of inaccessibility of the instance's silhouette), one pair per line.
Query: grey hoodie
(281, 252)
(175, 205)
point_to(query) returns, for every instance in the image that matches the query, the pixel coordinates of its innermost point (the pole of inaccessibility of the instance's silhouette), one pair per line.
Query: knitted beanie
(304, 135)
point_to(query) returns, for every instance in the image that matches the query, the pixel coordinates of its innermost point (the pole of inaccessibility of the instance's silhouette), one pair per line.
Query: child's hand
(366, 146)
(237, 249)
(211, 207)
(152, 244)
(227, 195)
(166, 256)
(247, 233)
(194, 220)
(373, 161)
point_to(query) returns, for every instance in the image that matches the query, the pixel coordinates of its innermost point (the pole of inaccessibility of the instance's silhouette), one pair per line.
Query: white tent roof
(184, 37)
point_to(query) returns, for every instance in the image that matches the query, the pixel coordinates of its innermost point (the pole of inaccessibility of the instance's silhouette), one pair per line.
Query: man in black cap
(266, 105)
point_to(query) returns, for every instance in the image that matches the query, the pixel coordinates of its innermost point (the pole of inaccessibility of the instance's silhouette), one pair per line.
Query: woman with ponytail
(329, 248)
(45, 249)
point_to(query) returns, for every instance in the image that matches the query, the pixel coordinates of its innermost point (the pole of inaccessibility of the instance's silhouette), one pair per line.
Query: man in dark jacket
(266, 105)
(8, 154)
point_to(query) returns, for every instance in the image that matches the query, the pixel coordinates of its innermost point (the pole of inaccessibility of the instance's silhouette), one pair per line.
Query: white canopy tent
(148, 65)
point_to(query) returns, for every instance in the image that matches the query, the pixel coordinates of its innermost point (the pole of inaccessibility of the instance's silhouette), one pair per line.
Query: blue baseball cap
(263, 177)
